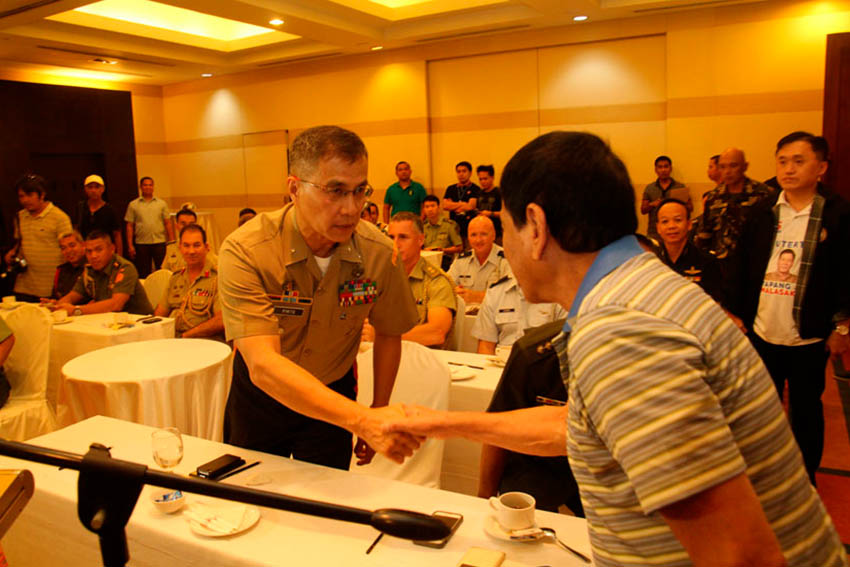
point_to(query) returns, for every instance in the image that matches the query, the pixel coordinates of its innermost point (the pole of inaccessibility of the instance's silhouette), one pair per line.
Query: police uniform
(467, 272)
(701, 268)
(531, 378)
(504, 314)
(174, 261)
(191, 303)
(431, 287)
(271, 284)
(118, 276)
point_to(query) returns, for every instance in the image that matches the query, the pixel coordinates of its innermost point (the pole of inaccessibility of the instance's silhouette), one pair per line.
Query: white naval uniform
(505, 314)
(465, 271)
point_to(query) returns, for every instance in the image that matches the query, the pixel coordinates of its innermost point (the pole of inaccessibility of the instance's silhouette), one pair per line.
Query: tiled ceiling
(169, 41)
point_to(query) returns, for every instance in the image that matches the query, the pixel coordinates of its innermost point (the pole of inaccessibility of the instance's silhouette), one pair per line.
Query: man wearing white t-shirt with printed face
(791, 286)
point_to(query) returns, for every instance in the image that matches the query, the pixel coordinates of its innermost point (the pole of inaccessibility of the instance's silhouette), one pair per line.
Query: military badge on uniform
(357, 292)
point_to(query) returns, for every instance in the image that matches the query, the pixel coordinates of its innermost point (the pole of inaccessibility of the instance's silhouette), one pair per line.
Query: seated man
(477, 269)
(108, 283)
(7, 341)
(173, 260)
(505, 315)
(67, 274)
(191, 297)
(440, 233)
(531, 378)
(369, 213)
(432, 288)
(677, 251)
(245, 215)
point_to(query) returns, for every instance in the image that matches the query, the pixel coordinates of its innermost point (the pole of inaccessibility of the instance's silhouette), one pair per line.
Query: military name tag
(289, 303)
(507, 310)
(357, 292)
(289, 310)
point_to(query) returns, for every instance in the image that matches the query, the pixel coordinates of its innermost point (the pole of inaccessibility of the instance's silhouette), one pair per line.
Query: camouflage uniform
(725, 213)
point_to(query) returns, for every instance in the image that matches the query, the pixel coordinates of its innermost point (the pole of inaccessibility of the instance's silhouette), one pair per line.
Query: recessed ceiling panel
(154, 20)
(395, 10)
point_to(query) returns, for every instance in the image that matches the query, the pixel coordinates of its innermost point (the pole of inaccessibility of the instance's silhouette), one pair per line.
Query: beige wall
(685, 84)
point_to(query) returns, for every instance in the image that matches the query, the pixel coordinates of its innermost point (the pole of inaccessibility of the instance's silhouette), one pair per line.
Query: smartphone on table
(452, 520)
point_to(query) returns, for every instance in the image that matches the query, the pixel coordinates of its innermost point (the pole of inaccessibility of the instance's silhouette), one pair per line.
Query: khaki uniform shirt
(467, 272)
(119, 276)
(174, 262)
(191, 303)
(431, 287)
(443, 234)
(270, 284)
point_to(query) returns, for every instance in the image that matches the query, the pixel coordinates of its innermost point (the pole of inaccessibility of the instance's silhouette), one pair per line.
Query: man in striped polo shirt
(680, 447)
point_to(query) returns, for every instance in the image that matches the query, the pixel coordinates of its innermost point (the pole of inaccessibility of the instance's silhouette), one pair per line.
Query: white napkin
(221, 519)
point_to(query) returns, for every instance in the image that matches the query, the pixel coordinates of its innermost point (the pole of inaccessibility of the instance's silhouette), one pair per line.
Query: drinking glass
(167, 446)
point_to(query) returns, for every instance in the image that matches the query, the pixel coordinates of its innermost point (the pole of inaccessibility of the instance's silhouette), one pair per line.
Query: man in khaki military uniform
(441, 233)
(173, 260)
(296, 285)
(483, 265)
(191, 298)
(432, 288)
(108, 283)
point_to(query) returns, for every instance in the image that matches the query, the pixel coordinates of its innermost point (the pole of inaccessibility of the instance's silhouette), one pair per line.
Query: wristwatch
(842, 330)
(77, 311)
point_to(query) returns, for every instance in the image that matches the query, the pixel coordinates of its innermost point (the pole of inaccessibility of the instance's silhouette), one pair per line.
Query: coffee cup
(513, 510)
(503, 352)
(59, 315)
(8, 299)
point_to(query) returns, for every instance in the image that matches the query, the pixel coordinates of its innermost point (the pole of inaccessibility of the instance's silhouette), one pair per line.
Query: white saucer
(227, 511)
(493, 529)
(496, 361)
(62, 322)
(461, 373)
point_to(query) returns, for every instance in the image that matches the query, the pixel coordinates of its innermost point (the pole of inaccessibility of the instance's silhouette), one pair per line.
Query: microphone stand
(108, 489)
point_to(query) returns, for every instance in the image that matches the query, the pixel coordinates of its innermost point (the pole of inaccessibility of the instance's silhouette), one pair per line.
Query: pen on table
(468, 365)
(374, 543)
(239, 470)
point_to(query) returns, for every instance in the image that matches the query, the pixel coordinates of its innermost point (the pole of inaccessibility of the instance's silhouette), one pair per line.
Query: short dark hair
(142, 180)
(247, 211)
(672, 200)
(408, 216)
(189, 212)
(488, 168)
(663, 158)
(431, 199)
(715, 158)
(581, 185)
(788, 251)
(98, 234)
(31, 183)
(401, 162)
(313, 144)
(192, 227)
(818, 143)
(465, 164)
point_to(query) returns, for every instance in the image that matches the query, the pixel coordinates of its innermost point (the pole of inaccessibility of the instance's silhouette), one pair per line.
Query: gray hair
(313, 144)
(75, 233)
(408, 216)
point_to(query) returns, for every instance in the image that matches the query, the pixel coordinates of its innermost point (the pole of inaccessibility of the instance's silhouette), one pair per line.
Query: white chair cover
(27, 413)
(155, 285)
(424, 380)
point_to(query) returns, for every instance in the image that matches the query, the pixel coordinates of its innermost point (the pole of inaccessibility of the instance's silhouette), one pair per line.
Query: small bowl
(168, 501)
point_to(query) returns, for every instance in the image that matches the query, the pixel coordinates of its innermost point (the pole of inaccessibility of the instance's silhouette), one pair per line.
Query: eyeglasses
(337, 194)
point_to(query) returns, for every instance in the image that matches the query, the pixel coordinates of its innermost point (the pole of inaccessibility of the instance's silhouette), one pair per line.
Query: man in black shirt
(676, 250)
(490, 198)
(461, 199)
(96, 214)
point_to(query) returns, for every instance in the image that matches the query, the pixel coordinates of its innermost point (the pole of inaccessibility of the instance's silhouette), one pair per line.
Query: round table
(179, 383)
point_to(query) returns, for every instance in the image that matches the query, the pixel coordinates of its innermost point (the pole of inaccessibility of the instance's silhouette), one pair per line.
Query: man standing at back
(296, 285)
(680, 448)
(403, 195)
(789, 284)
(461, 198)
(664, 187)
(148, 229)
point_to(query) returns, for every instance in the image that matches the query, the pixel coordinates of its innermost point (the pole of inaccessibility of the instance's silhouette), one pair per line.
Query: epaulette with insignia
(431, 270)
(466, 254)
(500, 280)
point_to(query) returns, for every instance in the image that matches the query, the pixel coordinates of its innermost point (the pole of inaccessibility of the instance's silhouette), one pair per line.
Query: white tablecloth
(49, 533)
(91, 332)
(168, 382)
(462, 457)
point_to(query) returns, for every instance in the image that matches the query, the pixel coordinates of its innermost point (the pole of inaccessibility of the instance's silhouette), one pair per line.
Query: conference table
(179, 383)
(461, 458)
(49, 533)
(86, 333)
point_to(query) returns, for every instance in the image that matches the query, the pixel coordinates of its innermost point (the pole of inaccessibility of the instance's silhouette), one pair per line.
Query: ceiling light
(377, 47)
(579, 18)
(104, 61)
(276, 22)
(206, 75)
